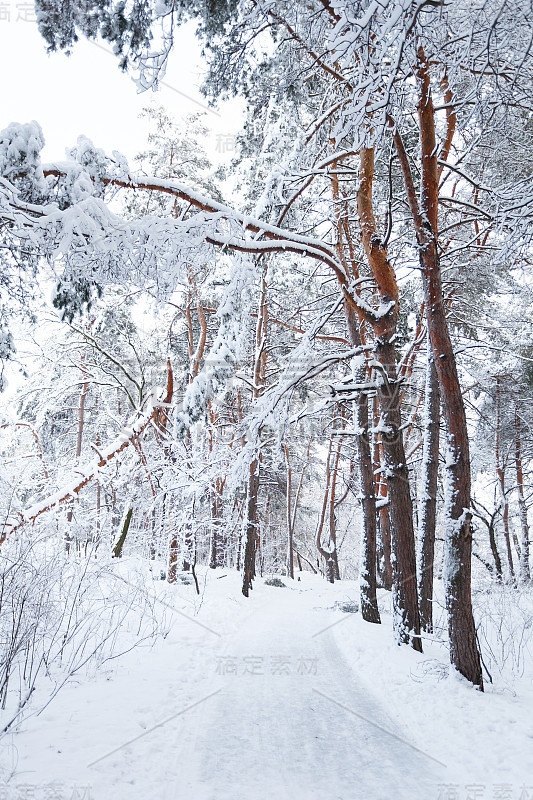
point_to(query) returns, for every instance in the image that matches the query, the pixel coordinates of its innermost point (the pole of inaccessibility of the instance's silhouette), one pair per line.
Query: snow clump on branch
(20, 147)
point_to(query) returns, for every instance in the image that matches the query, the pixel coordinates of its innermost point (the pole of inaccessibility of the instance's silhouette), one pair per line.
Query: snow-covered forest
(266, 424)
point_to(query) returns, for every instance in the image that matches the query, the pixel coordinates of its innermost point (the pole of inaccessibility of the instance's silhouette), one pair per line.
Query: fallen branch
(85, 475)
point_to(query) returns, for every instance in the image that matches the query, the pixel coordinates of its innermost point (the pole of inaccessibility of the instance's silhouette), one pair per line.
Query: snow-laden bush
(62, 615)
(504, 617)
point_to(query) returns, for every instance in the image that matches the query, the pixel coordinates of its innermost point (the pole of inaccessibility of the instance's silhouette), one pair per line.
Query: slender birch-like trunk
(525, 574)
(79, 442)
(500, 472)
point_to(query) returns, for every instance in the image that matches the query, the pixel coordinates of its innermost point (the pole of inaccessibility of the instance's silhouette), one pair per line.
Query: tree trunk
(216, 557)
(173, 547)
(259, 373)
(98, 515)
(188, 550)
(250, 547)
(430, 473)
(292, 509)
(494, 549)
(290, 544)
(367, 578)
(333, 560)
(384, 561)
(500, 472)
(329, 552)
(525, 574)
(117, 550)
(404, 590)
(79, 440)
(404, 584)
(383, 552)
(464, 653)
(187, 535)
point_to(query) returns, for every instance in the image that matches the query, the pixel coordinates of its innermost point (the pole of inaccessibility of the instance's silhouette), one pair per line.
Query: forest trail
(291, 719)
(279, 696)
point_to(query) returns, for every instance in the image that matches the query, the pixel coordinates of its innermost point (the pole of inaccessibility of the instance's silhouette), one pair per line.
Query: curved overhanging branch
(279, 246)
(286, 240)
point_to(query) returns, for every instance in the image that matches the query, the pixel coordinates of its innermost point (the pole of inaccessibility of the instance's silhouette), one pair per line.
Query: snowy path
(279, 697)
(265, 703)
(270, 732)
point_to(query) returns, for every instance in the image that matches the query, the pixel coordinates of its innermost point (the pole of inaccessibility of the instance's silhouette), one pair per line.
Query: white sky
(86, 93)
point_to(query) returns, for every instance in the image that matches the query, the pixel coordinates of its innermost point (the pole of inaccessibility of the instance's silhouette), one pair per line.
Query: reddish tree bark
(464, 652)
(404, 589)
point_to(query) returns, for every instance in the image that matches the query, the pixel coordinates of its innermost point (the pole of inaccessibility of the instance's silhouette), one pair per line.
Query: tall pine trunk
(428, 503)
(368, 578)
(384, 323)
(464, 652)
(404, 583)
(259, 370)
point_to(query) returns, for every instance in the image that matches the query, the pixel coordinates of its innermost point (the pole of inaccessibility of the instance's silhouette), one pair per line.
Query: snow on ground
(282, 696)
